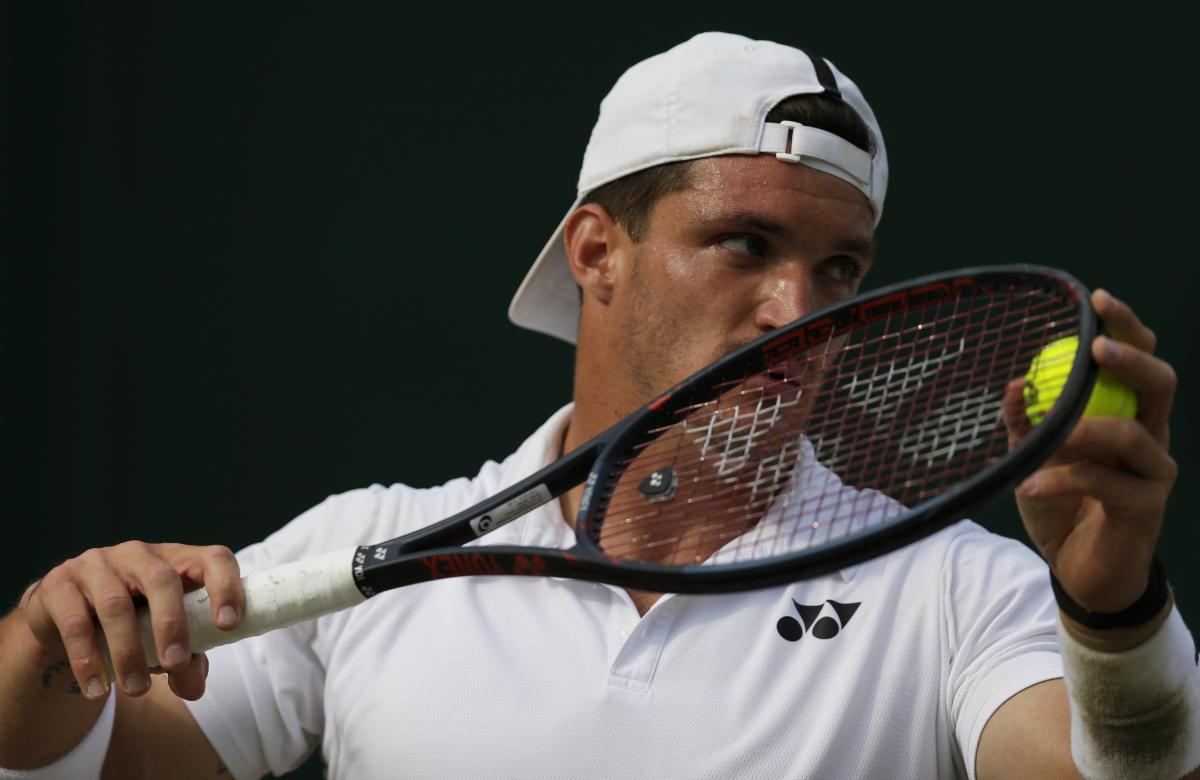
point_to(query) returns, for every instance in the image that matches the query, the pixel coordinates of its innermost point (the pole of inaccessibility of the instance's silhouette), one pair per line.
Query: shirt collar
(545, 526)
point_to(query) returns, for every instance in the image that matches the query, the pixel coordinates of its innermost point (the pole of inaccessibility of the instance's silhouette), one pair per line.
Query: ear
(595, 247)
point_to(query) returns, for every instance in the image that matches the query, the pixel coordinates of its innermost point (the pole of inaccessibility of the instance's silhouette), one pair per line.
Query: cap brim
(548, 299)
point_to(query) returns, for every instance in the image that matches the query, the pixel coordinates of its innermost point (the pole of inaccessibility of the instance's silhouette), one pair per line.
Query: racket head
(862, 391)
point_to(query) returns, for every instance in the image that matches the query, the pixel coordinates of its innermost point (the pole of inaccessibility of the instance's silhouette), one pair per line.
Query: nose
(784, 296)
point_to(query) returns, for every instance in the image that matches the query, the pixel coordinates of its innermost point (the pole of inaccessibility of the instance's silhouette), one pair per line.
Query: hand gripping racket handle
(275, 598)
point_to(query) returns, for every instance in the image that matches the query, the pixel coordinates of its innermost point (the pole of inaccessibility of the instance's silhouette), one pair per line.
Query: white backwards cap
(708, 96)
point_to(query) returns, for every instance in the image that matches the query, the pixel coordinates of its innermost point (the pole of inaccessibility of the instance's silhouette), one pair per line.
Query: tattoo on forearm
(53, 670)
(222, 771)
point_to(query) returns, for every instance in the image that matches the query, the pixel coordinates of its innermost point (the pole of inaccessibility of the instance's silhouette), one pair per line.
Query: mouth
(780, 375)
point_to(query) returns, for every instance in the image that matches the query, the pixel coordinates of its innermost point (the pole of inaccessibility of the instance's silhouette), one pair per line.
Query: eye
(845, 269)
(745, 244)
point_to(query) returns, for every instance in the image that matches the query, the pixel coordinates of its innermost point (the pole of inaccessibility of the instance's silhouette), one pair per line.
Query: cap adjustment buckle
(793, 142)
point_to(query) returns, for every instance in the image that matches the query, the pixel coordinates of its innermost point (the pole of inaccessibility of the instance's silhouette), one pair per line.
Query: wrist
(41, 715)
(1117, 639)
(1141, 617)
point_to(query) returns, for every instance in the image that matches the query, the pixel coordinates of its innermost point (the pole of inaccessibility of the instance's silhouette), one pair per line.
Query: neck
(585, 424)
(602, 398)
(587, 421)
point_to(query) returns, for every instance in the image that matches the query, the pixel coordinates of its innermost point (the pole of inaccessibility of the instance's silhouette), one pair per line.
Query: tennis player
(730, 186)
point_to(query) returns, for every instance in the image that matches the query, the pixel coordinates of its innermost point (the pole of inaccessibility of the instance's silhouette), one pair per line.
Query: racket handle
(275, 598)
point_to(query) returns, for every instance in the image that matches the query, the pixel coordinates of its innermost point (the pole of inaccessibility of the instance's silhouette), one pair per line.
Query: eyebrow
(856, 246)
(749, 219)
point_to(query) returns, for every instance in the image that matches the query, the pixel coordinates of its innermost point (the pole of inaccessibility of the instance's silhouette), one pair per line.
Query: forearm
(43, 715)
(1134, 696)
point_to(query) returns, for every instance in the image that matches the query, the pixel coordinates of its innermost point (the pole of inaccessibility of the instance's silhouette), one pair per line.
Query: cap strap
(797, 143)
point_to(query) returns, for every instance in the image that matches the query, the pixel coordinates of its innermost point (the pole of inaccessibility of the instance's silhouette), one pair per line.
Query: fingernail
(1030, 485)
(136, 682)
(175, 654)
(228, 616)
(1111, 350)
(94, 688)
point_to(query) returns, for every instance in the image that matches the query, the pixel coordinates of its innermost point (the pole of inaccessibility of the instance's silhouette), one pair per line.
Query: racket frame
(437, 551)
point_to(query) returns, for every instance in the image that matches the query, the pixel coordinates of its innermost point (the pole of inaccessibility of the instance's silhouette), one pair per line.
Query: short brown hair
(630, 199)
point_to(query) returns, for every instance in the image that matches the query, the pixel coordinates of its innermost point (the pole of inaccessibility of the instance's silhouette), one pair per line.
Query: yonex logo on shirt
(826, 627)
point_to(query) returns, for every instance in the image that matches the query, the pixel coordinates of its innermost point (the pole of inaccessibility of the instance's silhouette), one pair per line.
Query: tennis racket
(838, 438)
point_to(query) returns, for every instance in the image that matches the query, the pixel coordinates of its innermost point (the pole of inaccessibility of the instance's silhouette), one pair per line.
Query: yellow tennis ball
(1048, 373)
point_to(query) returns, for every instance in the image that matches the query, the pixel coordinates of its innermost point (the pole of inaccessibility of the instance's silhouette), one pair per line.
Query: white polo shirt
(889, 669)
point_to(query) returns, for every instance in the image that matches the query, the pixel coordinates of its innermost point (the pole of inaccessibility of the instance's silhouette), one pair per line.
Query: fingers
(1012, 410)
(188, 681)
(100, 587)
(1119, 442)
(1122, 322)
(1112, 459)
(160, 583)
(1152, 378)
(1124, 496)
(61, 619)
(113, 605)
(216, 568)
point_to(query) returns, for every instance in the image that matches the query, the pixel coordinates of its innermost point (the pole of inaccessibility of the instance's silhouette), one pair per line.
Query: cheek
(707, 307)
(706, 288)
(669, 288)
(685, 297)
(674, 327)
(680, 270)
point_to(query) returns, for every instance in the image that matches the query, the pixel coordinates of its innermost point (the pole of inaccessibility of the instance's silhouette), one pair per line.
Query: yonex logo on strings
(811, 620)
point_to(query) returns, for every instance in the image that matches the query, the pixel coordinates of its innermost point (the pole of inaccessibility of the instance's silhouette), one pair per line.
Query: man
(704, 220)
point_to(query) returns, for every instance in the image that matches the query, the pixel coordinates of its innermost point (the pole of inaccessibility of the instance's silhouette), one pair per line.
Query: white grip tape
(275, 598)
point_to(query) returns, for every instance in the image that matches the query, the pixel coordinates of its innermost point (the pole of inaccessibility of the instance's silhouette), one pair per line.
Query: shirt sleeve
(1001, 626)
(263, 708)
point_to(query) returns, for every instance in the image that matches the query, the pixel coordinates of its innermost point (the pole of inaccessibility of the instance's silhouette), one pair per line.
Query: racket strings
(732, 437)
(838, 437)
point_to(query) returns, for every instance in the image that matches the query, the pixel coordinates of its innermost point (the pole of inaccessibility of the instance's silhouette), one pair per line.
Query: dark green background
(253, 256)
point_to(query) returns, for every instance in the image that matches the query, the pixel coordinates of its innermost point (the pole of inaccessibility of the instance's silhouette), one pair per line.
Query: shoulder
(975, 557)
(971, 565)
(993, 589)
(964, 576)
(965, 552)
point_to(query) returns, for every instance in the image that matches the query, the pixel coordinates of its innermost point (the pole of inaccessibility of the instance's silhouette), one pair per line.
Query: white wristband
(1136, 713)
(85, 761)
